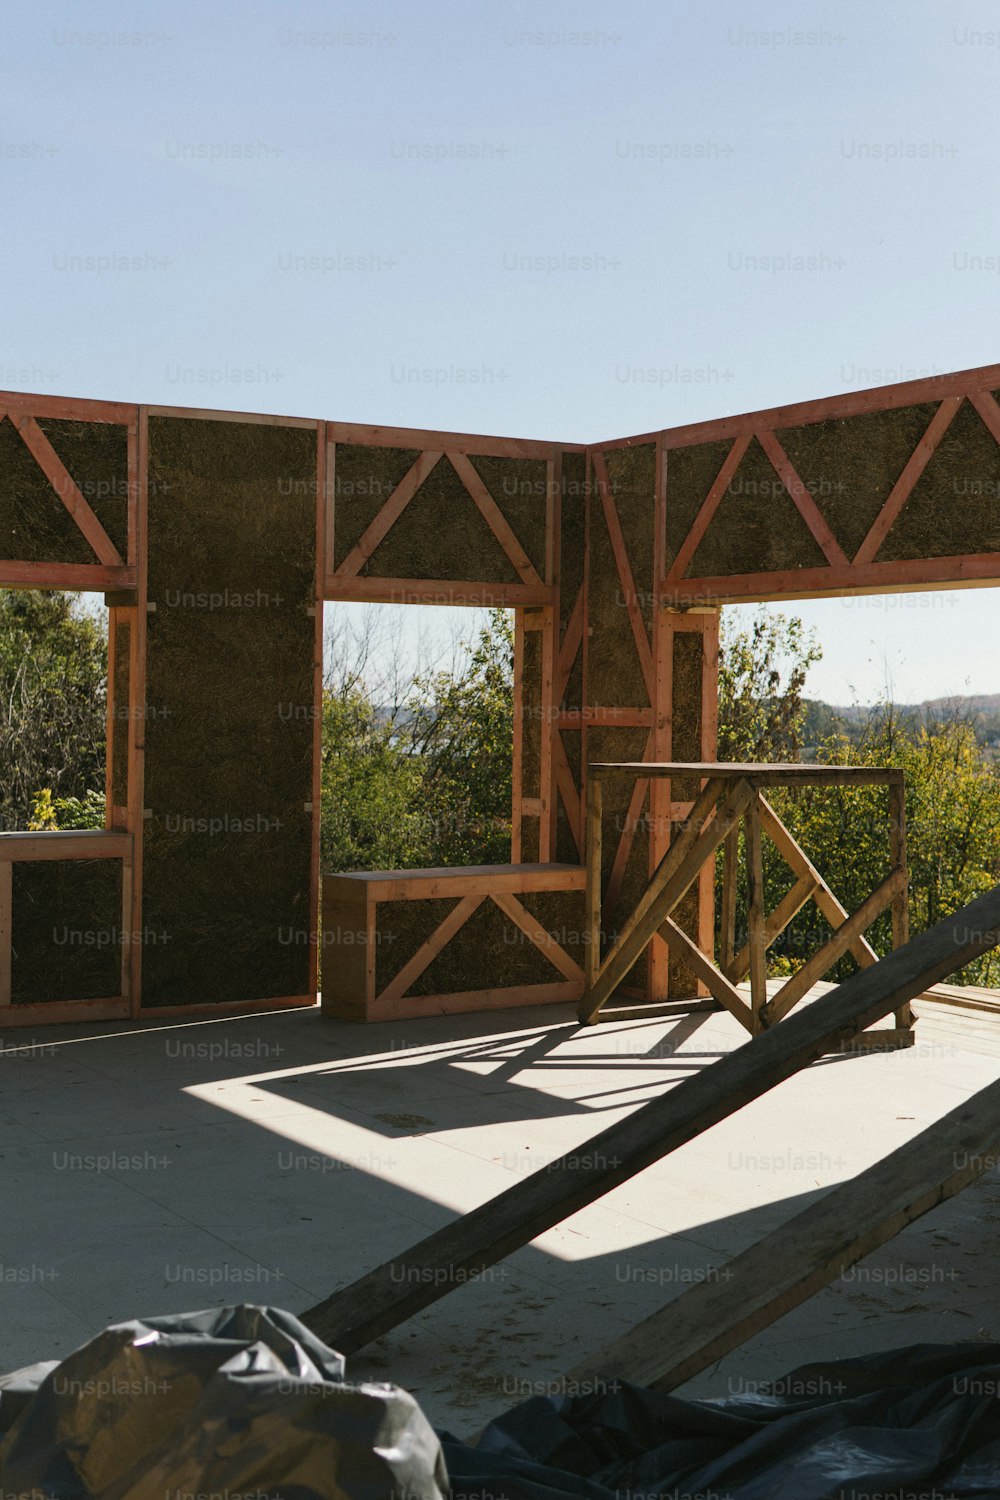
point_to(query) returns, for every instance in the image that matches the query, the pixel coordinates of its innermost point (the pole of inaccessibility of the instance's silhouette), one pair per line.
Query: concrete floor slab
(301, 1153)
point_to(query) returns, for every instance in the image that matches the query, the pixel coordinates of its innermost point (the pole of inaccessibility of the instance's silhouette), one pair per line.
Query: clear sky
(536, 219)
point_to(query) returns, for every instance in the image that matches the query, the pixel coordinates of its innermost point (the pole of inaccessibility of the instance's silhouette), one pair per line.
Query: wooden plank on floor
(792, 1263)
(451, 1256)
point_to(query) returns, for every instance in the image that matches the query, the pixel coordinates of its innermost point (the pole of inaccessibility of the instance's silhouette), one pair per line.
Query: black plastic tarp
(236, 1401)
(244, 1402)
(921, 1423)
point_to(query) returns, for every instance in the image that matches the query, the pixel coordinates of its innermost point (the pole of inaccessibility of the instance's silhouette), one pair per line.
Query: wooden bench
(402, 943)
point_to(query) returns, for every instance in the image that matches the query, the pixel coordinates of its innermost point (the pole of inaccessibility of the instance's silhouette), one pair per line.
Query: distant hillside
(981, 710)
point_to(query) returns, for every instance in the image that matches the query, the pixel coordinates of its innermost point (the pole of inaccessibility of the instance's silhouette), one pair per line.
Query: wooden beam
(462, 880)
(758, 775)
(824, 409)
(66, 488)
(755, 913)
(802, 500)
(897, 861)
(811, 1250)
(727, 994)
(429, 950)
(494, 517)
(823, 960)
(6, 930)
(801, 864)
(464, 442)
(677, 870)
(709, 506)
(903, 488)
(93, 578)
(623, 568)
(730, 875)
(442, 591)
(538, 935)
(69, 843)
(389, 514)
(592, 910)
(447, 1258)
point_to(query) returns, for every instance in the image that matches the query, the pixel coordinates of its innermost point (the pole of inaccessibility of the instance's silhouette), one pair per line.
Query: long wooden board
(809, 1252)
(451, 1256)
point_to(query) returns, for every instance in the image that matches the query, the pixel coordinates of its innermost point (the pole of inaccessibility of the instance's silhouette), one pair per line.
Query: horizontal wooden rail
(386, 1297)
(68, 843)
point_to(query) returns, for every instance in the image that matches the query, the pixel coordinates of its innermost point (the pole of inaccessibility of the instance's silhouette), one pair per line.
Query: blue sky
(532, 219)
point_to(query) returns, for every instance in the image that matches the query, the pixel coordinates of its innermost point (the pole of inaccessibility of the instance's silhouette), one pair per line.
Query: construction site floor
(274, 1158)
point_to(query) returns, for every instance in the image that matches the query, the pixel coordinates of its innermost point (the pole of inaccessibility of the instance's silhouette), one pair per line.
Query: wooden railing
(731, 793)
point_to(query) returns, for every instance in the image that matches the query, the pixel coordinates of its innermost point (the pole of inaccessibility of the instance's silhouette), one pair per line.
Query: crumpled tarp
(246, 1402)
(921, 1423)
(235, 1401)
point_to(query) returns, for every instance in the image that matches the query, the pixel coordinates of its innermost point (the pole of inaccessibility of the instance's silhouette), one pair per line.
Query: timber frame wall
(616, 558)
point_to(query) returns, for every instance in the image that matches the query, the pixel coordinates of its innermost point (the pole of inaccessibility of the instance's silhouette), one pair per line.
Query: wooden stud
(517, 770)
(6, 930)
(897, 862)
(756, 914)
(730, 877)
(593, 854)
(624, 570)
(325, 509)
(139, 621)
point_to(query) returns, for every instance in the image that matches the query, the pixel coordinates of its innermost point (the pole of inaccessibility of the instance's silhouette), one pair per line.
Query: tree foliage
(425, 779)
(53, 692)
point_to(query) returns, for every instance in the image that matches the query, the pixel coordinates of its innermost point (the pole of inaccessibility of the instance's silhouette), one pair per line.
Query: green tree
(53, 692)
(425, 779)
(462, 731)
(762, 671)
(371, 816)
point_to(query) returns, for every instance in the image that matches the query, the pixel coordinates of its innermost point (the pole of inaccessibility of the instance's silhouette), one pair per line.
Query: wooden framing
(354, 929)
(680, 603)
(70, 844)
(792, 1263)
(731, 792)
(386, 1297)
(109, 571)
